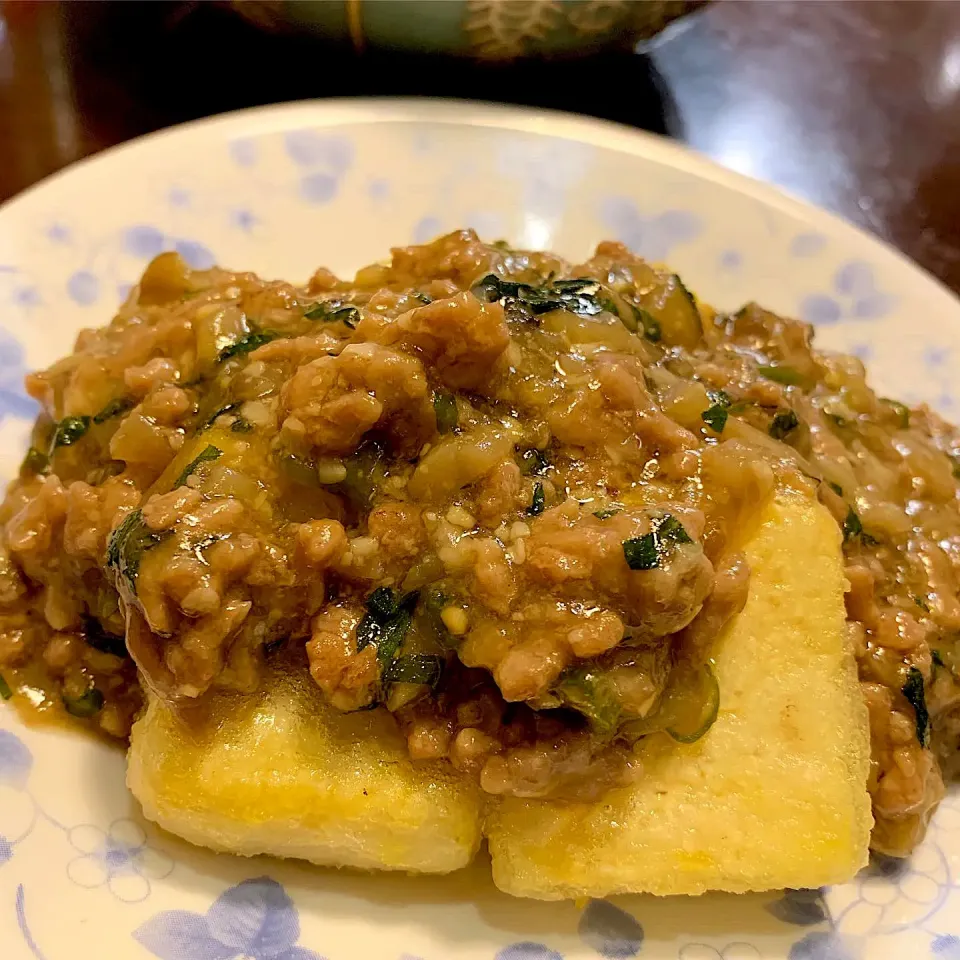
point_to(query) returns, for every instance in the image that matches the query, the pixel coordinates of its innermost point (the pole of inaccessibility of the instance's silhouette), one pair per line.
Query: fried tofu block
(282, 773)
(773, 796)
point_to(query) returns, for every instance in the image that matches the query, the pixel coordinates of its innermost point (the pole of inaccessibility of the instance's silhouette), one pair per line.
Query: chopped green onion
(532, 461)
(922, 604)
(788, 376)
(382, 602)
(208, 453)
(5, 692)
(937, 658)
(35, 461)
(913, 691)
(241, 425)
(227, 408)
(414, 668)
(901, 411)
(101, 640)
(582, 296)
(835, 487)
(334, 312)
(852, 527)
(646, 552)
(641, 552)
(589, 692)
(445, 410)
(690, 728)
(87, 705)
(647, 322)
(386, 622)
(69, 430)
(246, 345)
(715, 417)
(113, 409)
(784, 423)
(538, 502)
(127, 544)
(607, 512)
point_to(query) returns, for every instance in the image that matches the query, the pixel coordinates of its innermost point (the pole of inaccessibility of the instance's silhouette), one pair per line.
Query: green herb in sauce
(646, 552)
(5, 692)
(537, 502)
(334, 312)
(206, 455)
(101, 640)
(69, 430)
(588, 691)
(114, 409)
(788, 376)
(445, 410)
(35, 461)
(900, 411)
(415, 668)
(715, 416)
(648, 323)
(784, 423)
(913, 691)
(87, 705)
(127, 545)
(386, 622)
(246, 344)
(521, 300)
(533, 462)
(852, 527)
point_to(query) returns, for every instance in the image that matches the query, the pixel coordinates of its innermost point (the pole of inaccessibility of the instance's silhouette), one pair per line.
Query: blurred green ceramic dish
(488, 29)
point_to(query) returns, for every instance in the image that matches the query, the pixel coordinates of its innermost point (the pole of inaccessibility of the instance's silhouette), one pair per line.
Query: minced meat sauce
(501, 496)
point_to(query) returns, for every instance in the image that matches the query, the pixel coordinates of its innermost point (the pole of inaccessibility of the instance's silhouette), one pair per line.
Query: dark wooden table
(853, 105)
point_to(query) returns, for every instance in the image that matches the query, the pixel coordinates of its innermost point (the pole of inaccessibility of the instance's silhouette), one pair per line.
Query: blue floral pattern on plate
(256, 919)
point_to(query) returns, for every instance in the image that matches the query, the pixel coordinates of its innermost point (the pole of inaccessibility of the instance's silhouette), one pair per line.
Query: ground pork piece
(348, 679)
(493, 582)
(527, 653)
(460, 339)
(167, 404)
(568, 550)
(570, 768)
(730, 588)
(599, 631)
(332, 402)
(163, 510)
(196, 658)
(297, 350)
(35, 529)
(470, 749)
(905, 782)
(498, 493)
(142, 379)
(428, 738)
(210, 554)
(460, 257)
(92, 512)
(321, 281)
(398, 529)
(20, 635)
(322, 542)
(860, 599)
(12, 586)
(614, 411)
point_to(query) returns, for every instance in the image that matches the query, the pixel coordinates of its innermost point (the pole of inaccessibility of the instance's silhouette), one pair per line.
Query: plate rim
(341, 111)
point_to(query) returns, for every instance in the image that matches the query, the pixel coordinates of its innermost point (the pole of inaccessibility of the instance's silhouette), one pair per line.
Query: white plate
(279, 191)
